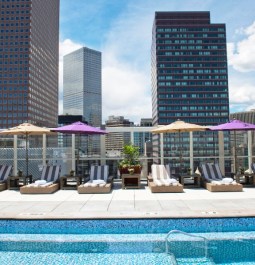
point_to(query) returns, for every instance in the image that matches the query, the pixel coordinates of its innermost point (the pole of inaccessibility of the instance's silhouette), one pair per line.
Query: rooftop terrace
(131, 203)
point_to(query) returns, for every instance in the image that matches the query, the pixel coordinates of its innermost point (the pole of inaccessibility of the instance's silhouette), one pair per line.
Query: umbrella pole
(27, 154)
(235, 155)
(214, 151)
(78, 154)
(87, 145)
(180, 154)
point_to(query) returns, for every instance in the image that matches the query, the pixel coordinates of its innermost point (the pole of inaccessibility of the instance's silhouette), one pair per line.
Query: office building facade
(245, 116)
(240, 138)
(29, 48)
(189, 74)
(114, 141)
(143, 139)
(189, 69)
(82, 93)
(83, 85)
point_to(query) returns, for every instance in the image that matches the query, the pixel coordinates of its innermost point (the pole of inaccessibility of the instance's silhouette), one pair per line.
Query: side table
(130, 181)
(15, 182)
(70, 182)
(249, 178)
(196, 177)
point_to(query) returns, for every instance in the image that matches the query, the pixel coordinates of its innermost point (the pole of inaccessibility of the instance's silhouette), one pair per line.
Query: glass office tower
(29, 44)
(83, 85)
(83, 92)
(189, 76)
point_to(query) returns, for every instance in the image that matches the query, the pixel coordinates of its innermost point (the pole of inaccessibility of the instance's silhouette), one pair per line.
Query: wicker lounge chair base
(39, 190)
(5, 171)
(3, 186)
(106, 189)
(171, 188)
(224, 188)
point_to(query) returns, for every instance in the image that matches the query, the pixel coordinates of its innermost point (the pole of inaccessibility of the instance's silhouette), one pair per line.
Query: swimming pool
(123, 241)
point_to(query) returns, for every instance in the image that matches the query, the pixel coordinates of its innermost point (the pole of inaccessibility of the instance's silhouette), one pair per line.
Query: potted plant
(130, 164)
(241, 169)
(189, 171)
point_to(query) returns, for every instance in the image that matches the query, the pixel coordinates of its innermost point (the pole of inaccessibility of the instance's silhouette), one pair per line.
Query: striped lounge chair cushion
(161, 175)
(253, 167)
(51, 173)
(5, 171)
(159, 172)
(168, 169)
(99, 173)
(211, 172)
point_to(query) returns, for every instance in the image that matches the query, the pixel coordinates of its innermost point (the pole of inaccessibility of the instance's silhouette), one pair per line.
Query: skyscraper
(189, 69)
(83, 92)
(83, 85)
(29, 44)
(189, 76)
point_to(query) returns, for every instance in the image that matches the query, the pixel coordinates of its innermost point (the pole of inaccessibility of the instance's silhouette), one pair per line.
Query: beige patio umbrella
(26, 129)
(178, 127)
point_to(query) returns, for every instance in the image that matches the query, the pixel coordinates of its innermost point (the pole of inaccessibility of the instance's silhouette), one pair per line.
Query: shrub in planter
(130, 164)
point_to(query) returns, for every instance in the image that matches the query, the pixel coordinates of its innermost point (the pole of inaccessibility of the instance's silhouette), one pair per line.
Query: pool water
(139, 241)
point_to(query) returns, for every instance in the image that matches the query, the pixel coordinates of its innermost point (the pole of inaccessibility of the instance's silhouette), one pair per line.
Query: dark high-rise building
(189, 78)
(29, 44)
(189, 69)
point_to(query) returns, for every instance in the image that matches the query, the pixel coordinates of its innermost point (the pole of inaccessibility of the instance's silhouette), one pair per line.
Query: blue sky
(121, 30)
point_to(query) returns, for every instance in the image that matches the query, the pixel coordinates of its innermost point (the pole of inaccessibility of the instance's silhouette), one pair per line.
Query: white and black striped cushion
(168, 169)
(159, 172)
(253, 167)
(5, 171)
(99, 172)
(51, 173)
(211, 171)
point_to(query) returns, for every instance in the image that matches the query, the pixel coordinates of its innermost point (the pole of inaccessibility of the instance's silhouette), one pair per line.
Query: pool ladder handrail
(186, 234)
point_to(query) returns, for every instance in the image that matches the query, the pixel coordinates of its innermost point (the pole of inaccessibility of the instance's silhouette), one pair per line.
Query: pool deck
(130, 203)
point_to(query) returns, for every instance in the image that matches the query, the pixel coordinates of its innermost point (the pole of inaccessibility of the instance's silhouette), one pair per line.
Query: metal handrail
(186, 234)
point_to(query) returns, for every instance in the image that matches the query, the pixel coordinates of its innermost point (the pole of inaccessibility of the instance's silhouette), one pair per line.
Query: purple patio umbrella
(234, 125)
(79, 128)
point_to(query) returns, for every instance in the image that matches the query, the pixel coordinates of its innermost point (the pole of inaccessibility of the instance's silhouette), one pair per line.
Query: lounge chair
(98, 182)
(5, 171)
(213, 180)
(161, 180)
(48, 183)
(252, 176)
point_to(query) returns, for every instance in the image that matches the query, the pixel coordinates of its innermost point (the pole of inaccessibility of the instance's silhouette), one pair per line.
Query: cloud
(126, 67)
(125, 93)
(241, 56)
(126, 74)
(125, 90)
(66, 46)
(241, 94)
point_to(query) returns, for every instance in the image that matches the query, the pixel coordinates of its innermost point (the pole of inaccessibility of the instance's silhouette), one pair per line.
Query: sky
(122, 31)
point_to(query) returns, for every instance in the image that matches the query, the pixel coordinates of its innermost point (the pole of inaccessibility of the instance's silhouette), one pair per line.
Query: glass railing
(63, 150)
(63, 156)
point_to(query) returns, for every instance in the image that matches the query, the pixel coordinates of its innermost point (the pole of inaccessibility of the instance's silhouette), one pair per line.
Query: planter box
(124, 170)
